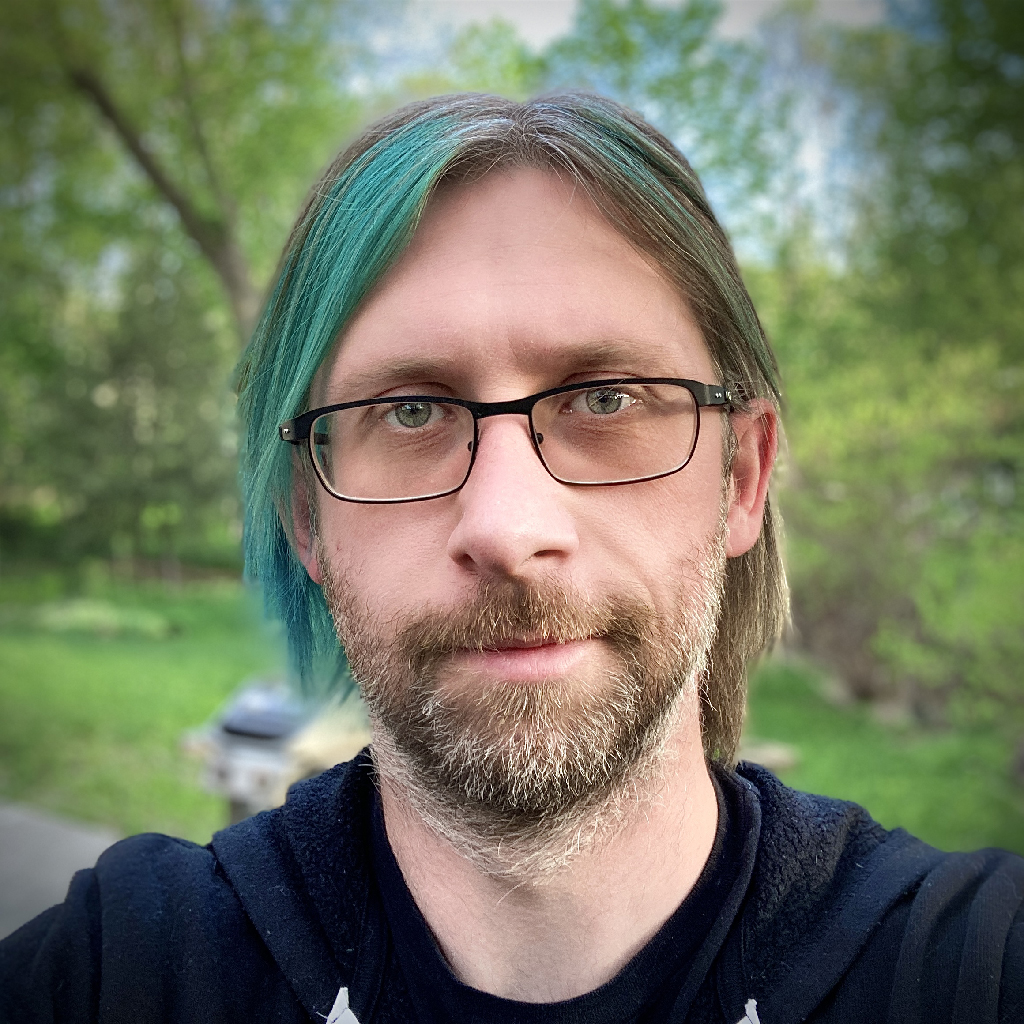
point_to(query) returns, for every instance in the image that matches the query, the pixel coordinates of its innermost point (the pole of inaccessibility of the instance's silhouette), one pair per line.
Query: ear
(300, 530)
(757, 444)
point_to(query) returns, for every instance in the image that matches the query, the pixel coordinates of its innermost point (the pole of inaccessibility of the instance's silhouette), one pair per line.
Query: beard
(521, 776)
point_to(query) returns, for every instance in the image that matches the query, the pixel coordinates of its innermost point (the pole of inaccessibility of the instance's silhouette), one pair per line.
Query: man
(511, 420)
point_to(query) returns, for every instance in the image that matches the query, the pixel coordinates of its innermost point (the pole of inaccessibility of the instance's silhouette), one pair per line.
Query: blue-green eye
(604, 401)
(412, 414)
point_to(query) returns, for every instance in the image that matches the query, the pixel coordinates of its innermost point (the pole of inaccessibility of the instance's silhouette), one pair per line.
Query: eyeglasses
(417, 447)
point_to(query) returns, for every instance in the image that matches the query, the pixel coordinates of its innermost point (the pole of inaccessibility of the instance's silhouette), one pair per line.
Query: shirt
(643, 990)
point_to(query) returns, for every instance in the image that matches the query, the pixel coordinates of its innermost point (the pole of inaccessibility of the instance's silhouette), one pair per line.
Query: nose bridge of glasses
(515, 407)
(496, 411)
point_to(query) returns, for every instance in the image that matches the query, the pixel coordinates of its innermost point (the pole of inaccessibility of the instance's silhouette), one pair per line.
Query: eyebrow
(577, 358)
(387, 374)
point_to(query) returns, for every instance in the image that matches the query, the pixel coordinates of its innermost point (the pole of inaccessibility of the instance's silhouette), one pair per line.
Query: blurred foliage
(708, 93)
(899, 330)
(221, 113)
(155, 154)
(906, 375)
(903, 517)
(122, 442)
(941, 105)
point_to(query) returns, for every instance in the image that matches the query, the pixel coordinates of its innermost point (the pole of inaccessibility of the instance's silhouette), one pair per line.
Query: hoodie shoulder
(153, 932)
(843, 914)
(812, 848)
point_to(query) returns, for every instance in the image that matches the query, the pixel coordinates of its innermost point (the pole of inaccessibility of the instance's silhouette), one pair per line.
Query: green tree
(155, 154)
(219, 113)
(906, 375)
(941, 101)
(131, 443)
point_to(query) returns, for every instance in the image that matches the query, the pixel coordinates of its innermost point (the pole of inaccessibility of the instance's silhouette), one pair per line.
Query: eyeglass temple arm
(712, 394)
(296, 430)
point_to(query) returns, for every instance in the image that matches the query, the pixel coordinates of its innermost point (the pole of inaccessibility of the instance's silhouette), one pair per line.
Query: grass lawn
(91, 724)
(951, 788)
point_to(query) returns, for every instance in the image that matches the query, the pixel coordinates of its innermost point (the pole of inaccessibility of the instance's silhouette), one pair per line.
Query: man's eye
(604, 401)
(413, 414)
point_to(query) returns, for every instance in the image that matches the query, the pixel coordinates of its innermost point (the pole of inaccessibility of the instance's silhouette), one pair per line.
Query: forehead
(516, 280)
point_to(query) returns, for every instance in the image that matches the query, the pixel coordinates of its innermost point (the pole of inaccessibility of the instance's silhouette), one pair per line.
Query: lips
(529, 643)
(524, 659)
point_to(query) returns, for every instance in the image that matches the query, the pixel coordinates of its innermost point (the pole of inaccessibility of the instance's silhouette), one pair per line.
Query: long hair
(355, 224)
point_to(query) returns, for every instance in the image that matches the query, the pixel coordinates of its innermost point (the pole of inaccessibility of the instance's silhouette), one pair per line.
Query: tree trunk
(215, 236)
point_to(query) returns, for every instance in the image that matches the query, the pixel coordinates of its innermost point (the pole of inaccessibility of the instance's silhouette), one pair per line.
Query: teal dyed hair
(356, 223)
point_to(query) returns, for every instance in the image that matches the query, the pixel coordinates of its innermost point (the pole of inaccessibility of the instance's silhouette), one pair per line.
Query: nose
(514, 521)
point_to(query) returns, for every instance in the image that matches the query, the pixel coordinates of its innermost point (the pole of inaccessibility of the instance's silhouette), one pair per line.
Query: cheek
(387, 554)
(651, 532)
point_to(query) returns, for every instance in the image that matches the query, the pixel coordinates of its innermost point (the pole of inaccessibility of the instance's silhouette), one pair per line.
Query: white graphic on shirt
(750, 1016)
(340, 1013)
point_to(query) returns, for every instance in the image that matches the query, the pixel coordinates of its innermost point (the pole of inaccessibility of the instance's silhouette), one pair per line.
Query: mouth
(529, 643)
(527, 659)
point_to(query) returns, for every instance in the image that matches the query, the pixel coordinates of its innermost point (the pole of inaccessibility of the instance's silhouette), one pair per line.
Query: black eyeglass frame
(299, 429)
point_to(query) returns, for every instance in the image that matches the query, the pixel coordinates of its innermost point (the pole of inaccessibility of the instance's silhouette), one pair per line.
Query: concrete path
(39, 853)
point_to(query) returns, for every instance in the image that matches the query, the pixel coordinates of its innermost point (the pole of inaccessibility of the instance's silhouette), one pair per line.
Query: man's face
(519, 592)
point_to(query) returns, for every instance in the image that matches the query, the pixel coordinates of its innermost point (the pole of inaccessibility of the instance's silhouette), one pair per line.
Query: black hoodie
(822, 915)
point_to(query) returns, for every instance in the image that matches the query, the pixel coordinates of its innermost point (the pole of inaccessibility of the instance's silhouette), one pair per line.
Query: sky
(539, 21)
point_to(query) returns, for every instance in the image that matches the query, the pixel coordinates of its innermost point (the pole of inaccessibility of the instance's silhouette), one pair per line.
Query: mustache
(505, 612)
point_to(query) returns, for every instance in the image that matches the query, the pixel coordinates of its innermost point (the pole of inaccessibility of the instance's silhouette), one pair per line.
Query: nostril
(540, 438)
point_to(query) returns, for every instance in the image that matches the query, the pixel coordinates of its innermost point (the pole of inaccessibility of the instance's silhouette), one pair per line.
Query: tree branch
(208, 234)
(213, 236)
(192, 115)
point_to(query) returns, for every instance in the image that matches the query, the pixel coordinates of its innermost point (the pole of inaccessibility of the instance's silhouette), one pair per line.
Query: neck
(550, 936)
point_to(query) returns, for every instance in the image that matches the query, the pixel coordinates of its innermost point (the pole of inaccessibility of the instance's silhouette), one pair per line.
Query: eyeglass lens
(418, 449)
